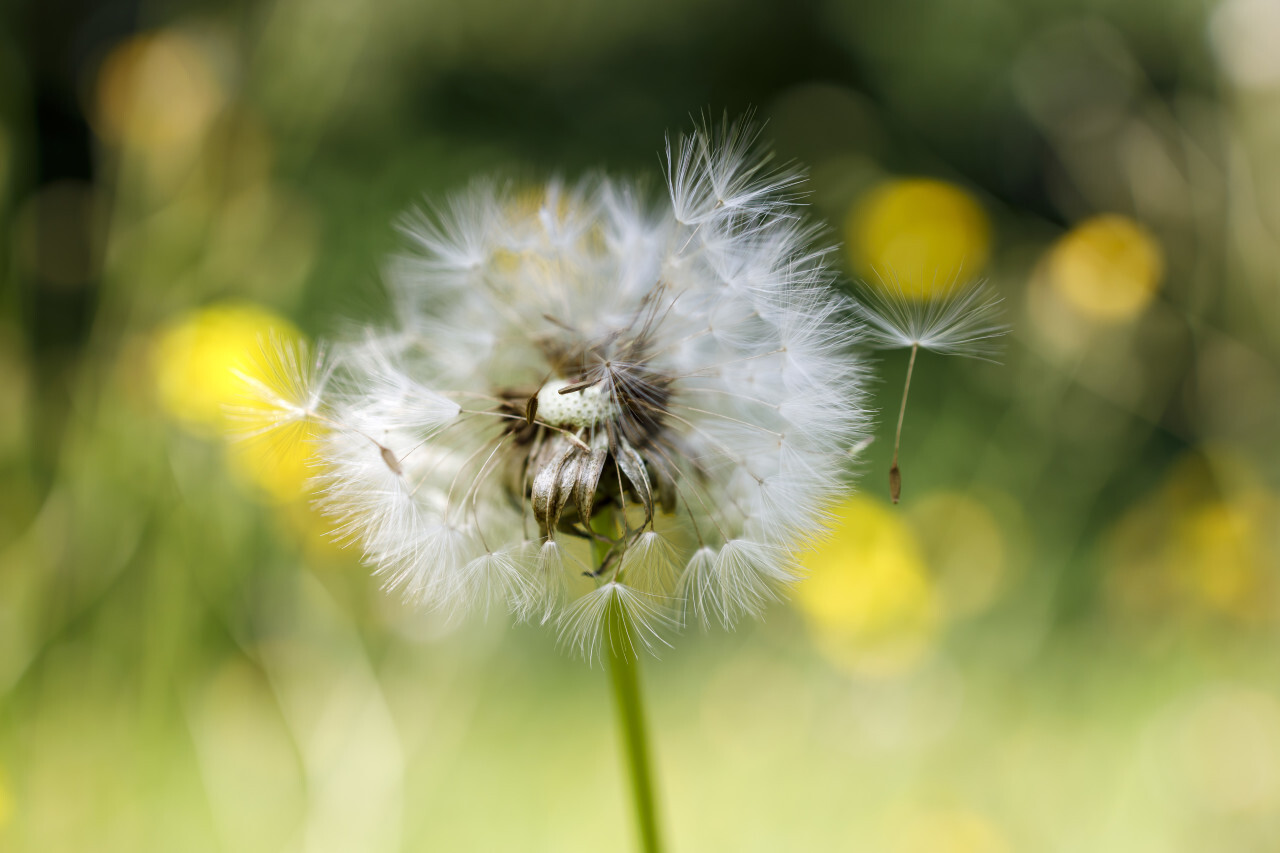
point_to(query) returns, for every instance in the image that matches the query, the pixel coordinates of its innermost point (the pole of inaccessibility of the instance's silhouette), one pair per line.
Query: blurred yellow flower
(195, 358)
(921, 233)
(1197, 548)
(156, 90)
(1108, 267)
(965, 548)
(199, 363)
(868, 599)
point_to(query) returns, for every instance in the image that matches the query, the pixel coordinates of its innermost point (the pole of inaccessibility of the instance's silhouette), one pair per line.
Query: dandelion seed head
(588, 406)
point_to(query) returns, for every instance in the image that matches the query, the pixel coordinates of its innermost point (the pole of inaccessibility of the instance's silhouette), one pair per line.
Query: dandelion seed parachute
(673, 385)
(958, 319)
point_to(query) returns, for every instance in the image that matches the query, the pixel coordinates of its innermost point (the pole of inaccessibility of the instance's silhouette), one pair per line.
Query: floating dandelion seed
(958, 319)
(673, 387)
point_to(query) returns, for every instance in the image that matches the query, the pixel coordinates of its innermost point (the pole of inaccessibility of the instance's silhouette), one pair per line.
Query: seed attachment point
(392, 462)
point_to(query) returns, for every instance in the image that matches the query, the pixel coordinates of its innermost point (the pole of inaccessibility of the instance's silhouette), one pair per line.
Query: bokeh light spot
(1196, 549)
(868, 599)
(965, 549)
(1228, 751)
(196, 357)
(199, 362)
(1243, 34)
(1108, 268)
(922, 233)
(156, 90)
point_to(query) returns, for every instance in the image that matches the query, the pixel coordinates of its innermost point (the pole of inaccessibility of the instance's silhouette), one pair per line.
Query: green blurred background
(1064, 638)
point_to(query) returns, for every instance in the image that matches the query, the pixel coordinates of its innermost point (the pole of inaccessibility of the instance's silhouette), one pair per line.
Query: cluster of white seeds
(587, 401)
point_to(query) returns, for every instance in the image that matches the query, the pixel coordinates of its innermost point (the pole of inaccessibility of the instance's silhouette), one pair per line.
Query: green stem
(624, 677)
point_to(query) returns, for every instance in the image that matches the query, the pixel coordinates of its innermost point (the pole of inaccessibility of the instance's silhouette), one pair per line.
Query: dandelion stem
(895, 475)
(624, 676)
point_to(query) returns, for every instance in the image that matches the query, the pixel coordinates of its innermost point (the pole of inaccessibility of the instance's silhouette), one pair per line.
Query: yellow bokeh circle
(868, 598)
(197, 357)
(1108, 268)
(157, 89)
(1195, 551)
(966, 551)
(203, 364)
(920, 233)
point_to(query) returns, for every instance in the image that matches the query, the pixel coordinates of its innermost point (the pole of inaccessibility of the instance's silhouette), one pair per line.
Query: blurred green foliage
(1063, 639)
